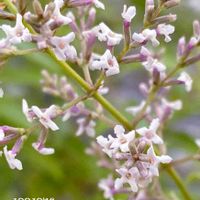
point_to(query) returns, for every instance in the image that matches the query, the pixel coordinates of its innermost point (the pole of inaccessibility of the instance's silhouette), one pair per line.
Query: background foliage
(70, 174)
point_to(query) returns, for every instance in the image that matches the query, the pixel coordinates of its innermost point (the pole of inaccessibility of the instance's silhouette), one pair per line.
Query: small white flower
(175, 105)
(62, 49)
(27, 111)
(151, 35)
(197, 141)
(138, 37)
(56, 16)
(1, 92)
(165, 30)
(129, 13)
(152, 63)
(106, 62)
(104, 34)
(146, 35)
(149, 134)
(133, 110)
(17, 34)
(45, 117)
(106, 144)
(156, 160)
(86, 126)
(107, 186)
(12, 161)
(2, 134)
(73, 111)
(99, 4)
(187, 80)
(127, 176)
(43, 150)
(122, 141)
(103, 90)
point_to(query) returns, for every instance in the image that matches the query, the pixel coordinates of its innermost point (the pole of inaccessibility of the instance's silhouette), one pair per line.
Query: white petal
(2, 134)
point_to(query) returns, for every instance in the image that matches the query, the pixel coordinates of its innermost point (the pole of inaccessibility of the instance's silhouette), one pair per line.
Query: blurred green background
(70, 174)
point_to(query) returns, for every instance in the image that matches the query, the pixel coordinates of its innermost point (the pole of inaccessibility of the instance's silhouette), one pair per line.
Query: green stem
(11, 7)
(179, 182)
(107, 105)
(71, 73)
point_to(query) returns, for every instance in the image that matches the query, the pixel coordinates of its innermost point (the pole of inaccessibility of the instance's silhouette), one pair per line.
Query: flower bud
(171, 3)
(6, 15)
(181, 48)
(156, 76)
(149, 9)
(91, 18)
(38, 8)
(21, 5)
(165, 19)
(196, 28)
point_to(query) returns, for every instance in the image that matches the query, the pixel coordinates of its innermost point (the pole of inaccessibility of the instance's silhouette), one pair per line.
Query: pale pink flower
(127, 176)
(105, 34)
(174, 105)
(152, 63)
(45, 117)
(17, 34)
(12, 161)
(43, 150)
(56, 16)
(149, 134)
(107, 185)
(27, 111)
(165, 30)
(106, 62)
(2, 134)
(87, 126)
(122, 141)
(187, 81)
(106, 144)
(62, 47)
(73, 111)
(128, 13)
(99, 4)
(133, 110)
(146, 35)
(156, 160)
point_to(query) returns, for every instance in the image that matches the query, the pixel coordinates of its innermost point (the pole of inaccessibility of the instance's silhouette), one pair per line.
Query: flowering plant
(135, 151)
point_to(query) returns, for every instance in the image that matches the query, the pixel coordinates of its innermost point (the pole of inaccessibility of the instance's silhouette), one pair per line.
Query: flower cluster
(133, 153)
(138, 162)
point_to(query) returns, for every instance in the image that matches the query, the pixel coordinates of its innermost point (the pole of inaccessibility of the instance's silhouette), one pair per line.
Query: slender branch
(107, 105)
(11, 7)
(71, 73)
(179, 182)
(185, 159)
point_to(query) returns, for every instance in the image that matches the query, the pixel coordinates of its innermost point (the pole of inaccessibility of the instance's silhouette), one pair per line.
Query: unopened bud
(181, 48)
(165, 19)
(196, 28)
(149, 10)
(132, 58)
(6, 15)
(21, 4)
(49, 11)
(171, 3)
(38, 8)
(156, 76)
(192, 60)
(91, 18)
(132, 148)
